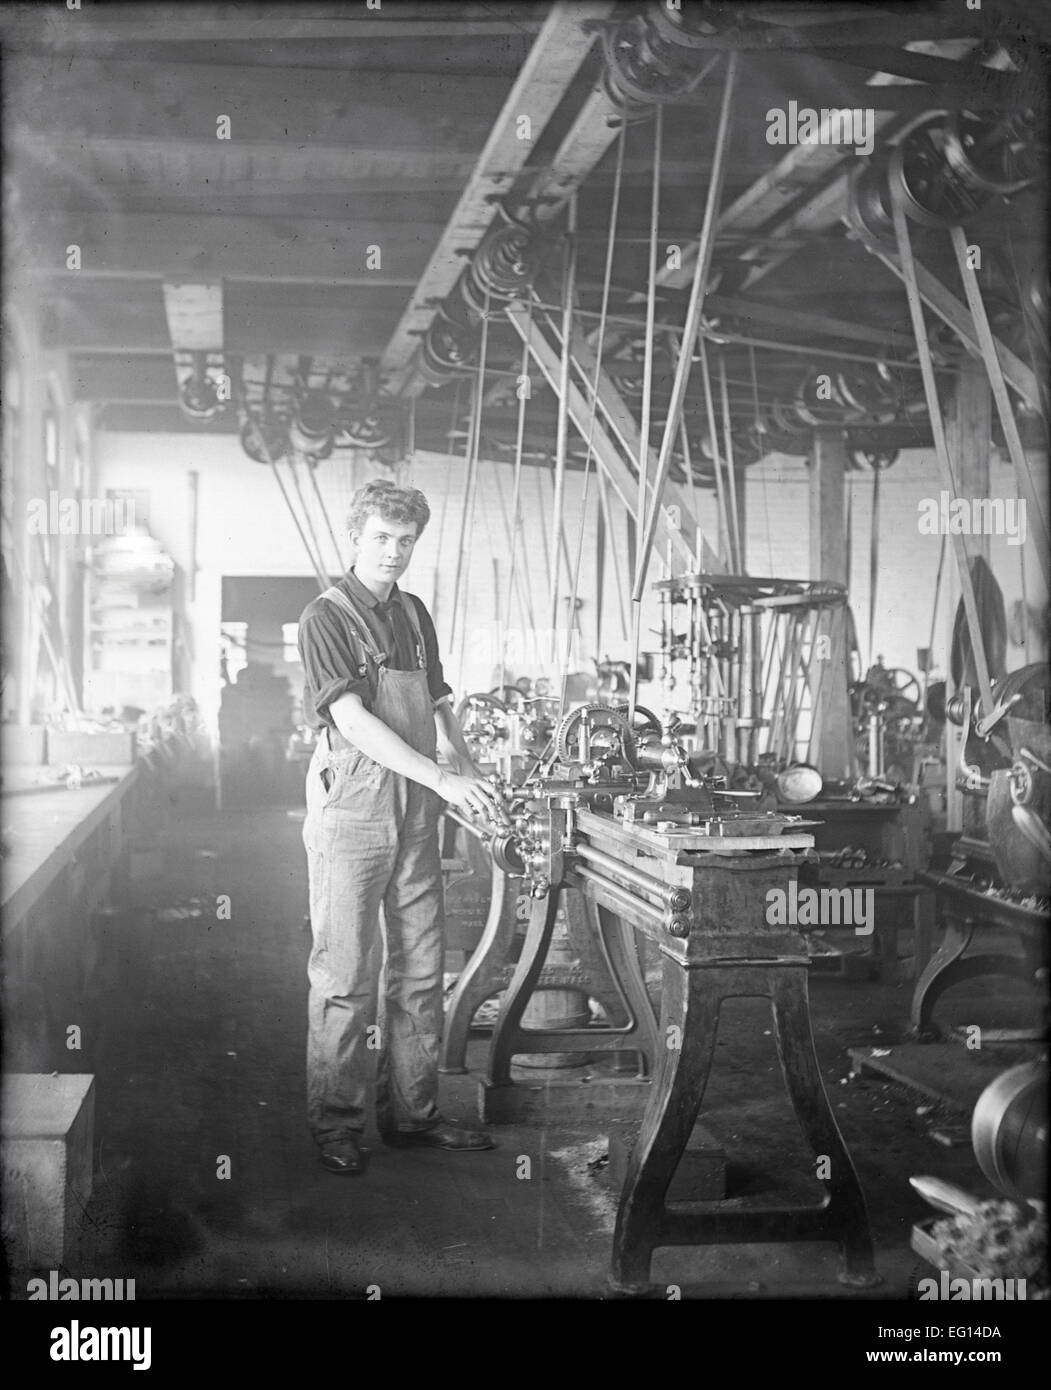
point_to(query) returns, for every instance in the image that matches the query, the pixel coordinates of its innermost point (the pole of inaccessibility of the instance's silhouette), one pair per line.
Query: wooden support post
(968, 430)
(832, 735)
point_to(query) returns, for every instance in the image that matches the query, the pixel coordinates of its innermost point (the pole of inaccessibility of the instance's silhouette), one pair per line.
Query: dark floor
(199, 1055)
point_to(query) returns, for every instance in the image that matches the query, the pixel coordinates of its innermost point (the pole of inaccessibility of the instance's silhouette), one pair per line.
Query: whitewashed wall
(245, 529)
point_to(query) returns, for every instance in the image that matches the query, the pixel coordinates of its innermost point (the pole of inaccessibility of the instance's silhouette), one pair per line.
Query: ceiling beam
(209, 172)
(194, 245)
(115, 316)
(194, 312)
(294, 107)
(122, 24)
(134, 380)
(554, 60)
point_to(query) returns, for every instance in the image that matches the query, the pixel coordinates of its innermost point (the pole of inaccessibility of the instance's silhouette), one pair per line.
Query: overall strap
(413, 616)
(339, 598)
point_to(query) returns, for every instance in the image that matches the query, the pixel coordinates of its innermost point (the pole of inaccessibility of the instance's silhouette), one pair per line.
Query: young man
(374, 797)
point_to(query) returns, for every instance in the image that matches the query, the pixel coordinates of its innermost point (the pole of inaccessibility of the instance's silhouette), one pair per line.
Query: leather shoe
(440, 1137)
(343, 1157)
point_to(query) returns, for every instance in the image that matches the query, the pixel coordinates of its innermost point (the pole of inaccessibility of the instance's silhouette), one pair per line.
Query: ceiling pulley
(995, 156)
(644, 67)
(312, 431)
(274, 438)
(199, 392)
(503, 267)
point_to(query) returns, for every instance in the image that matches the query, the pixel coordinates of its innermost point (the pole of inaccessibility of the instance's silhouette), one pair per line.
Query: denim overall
(371, 837)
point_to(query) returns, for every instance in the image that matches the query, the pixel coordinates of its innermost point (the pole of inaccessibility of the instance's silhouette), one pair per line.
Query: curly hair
(388, 500)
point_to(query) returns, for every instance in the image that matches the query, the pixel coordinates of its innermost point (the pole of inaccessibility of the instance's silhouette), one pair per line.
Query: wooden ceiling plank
(297, 106)
(553, 62)
(192, 246)
(207, 169)
(194, 311)
(132, 379)
(122, 24)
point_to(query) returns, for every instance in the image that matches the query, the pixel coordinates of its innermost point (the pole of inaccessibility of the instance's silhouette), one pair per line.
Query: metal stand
(608, 954)
(692, 1001)
(710, 924)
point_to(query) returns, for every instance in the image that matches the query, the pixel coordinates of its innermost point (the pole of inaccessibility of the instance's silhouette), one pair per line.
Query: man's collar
(365, 594)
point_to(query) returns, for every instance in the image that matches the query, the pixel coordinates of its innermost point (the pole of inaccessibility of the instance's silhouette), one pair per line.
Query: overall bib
(371, 837)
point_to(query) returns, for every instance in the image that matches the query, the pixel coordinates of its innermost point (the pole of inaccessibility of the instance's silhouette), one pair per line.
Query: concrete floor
(198, 1054)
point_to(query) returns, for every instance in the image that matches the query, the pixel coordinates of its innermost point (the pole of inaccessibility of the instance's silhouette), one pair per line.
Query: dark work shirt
(334, 661)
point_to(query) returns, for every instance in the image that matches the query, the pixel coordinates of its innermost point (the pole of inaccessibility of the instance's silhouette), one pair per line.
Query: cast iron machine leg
(484, 973)
(508, 1029)
(692, 1001)
(611, 965)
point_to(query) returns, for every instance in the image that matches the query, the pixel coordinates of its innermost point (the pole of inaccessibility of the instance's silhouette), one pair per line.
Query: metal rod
(724, 534)
(735, 531)
(562, 427)
(619, 581)
(687, 458)
(693, 317)
(669, 894)
(470, 480)
(600, 541)
(515, 522)
(651, 304)
(512, 543)
(621, 896)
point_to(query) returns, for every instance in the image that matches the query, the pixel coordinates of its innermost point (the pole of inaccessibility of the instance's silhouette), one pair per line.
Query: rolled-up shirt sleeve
(332, 664)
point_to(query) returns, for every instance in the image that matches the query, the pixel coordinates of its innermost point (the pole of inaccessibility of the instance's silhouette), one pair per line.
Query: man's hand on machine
(474, 795)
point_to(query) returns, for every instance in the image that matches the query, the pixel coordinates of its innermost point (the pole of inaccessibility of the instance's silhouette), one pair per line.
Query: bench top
(42, 1106)
(43, 831)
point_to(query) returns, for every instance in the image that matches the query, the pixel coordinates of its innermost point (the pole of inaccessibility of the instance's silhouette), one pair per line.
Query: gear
(600, 717)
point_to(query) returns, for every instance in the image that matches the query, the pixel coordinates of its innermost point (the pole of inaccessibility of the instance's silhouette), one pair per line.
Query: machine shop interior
(715, 336)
